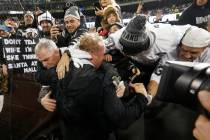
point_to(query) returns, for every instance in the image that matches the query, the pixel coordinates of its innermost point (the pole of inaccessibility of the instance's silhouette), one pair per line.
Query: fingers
(120, 93)
(48, 104)
(97, 9)
(66, 62)
(120, 89)
(136, 71)
(63, 66)
(204, 97)
(108, 58)
(60, 72)
(139, 88)
(55, 31)
(92, 30)
(202, 127)
(202, 124)
(5, 70)
(99, 12)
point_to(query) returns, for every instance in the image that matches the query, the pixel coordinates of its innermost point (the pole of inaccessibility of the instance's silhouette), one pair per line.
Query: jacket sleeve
(75, 38)
(122, 114)
(67, 39)
(46, 76)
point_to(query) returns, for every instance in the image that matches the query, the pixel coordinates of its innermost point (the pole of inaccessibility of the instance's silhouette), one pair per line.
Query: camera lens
(199, 83)
(206, 81)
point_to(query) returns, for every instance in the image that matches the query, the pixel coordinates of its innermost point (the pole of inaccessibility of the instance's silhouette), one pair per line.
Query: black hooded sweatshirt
(196, 15)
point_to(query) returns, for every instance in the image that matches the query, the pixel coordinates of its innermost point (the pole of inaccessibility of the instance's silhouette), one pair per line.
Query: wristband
(149, 98)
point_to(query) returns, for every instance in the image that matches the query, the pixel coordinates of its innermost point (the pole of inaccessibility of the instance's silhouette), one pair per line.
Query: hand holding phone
(98, 9)
(97, 6)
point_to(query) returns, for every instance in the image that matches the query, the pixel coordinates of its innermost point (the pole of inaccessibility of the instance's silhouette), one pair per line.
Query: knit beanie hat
(73, 11)
(134, 38)
(29, 13)
(45, 16)
(196, 38)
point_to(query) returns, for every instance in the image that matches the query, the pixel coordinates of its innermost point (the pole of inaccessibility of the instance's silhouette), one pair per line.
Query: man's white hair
(45, 44)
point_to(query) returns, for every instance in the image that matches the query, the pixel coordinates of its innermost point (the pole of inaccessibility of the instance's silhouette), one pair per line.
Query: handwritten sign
(19, 54)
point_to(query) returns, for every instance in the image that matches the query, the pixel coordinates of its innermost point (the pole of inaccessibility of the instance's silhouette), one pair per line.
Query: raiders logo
(116, 80)
(158, 70)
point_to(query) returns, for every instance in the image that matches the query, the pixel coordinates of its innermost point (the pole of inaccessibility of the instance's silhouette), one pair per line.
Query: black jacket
(47, 77)
(41, 34)
(88, 106)
(66, 39)
(196, 15)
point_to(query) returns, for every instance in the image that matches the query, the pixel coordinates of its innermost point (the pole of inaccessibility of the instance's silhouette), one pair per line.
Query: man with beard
(73, 28)
(46, 21)
(28, 30)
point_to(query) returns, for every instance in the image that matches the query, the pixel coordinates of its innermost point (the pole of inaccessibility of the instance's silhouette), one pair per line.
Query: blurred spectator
(73, 29)
(139, 8)
(114, 55)
(4, 31)
(110, 17)
(115, 27)
(82, 16)
(28, 18)
(99, 10)
(38, 12)
(28, 30)
(159, 16)
(174, 9)
(13, 23)
(198, 14)
(46, 21)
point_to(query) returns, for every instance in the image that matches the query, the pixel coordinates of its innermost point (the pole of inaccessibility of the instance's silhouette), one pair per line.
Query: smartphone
(97, 6)
(60, 27)
(45, 88)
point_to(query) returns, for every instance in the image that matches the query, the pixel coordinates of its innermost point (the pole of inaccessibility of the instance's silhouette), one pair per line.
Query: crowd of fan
(165, 10)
